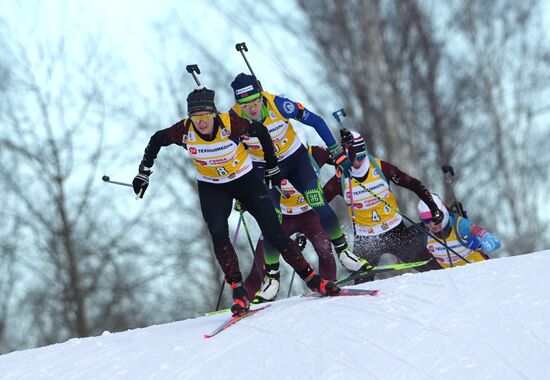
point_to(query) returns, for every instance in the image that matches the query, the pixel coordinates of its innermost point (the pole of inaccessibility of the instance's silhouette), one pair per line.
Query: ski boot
(325, 287)
(270, 285)
(240, 298)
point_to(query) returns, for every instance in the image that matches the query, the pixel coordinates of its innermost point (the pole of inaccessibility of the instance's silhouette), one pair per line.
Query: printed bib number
(387, 209)
(375, 216)
(222, 172)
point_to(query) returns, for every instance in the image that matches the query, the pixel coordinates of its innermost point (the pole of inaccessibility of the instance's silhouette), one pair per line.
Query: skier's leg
(216, 202)
(370, 248)
(410, 246)
(305, 180)
(254, 197)
(312, 229)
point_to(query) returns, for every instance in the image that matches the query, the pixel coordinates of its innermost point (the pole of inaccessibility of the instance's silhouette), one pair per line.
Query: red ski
(344, 293)
(234, 320)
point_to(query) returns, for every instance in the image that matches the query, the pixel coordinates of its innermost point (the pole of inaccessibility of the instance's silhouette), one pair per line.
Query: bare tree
(89, 264)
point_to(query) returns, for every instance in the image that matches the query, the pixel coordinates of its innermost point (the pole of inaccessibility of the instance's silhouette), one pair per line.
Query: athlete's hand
(473, 242)
(141, 181)
(273, 176)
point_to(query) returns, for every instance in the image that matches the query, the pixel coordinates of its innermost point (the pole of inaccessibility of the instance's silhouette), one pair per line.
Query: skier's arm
(487, 242)
(240, 126)
(332, 188)
(295, 110)
(164, 137)
(404, 180)
(321, 155)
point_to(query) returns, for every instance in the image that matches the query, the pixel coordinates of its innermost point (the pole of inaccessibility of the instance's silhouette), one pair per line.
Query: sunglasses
(205, 117)
(361, 156)
(250, 105)
(426, 217)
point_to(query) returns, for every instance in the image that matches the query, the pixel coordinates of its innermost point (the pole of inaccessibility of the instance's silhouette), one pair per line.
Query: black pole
(194, 70)
(449, 174)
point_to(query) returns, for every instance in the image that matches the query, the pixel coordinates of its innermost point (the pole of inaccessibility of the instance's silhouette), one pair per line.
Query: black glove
(301, 241)
(437, 216)
(141, 181)
(342, 161)
(346, 138)
(273, 176)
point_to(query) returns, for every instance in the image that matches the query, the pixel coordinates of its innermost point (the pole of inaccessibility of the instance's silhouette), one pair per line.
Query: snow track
(486, 320)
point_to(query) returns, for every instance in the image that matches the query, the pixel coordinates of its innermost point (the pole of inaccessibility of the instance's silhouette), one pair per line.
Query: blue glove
(473, 242)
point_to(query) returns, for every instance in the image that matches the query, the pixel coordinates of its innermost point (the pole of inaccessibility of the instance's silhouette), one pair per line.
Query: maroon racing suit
(401, 242)
(307, 223)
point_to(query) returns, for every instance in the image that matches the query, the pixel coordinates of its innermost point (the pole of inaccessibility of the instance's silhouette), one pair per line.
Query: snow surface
(489, 320)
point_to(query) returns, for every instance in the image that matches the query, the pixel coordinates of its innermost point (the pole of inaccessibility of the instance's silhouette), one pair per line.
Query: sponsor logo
(192, 150)
(202, 163)
(254, 147)
(191, 136)
(431, 248)
(225, 132)
(272, 115)
(218, 161)
(291, 192)
(358, 205)
(370, 230)
(217, 149)
(385, 226)
(232, 175)
(304, 208)
(242, 91)
(289, 210)
(288, 106)
(284, 182)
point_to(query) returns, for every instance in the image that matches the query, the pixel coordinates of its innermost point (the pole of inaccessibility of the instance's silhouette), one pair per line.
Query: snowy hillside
(489, 320)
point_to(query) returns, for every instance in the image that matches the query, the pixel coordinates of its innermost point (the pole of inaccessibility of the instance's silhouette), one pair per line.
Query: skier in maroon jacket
(378, 226)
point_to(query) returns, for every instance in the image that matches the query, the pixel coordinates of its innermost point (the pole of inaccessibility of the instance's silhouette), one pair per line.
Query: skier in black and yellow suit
(275, 113)
(224, 173)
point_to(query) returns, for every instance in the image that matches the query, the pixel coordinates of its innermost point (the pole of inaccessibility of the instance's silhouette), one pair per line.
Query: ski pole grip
(241, 46)
(193, 69)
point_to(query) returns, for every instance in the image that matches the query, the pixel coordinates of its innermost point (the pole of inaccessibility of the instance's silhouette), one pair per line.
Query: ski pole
(301, 241)
(241, 47)
(449, 174)
(234, 242)
(107, 179)
(412, 222)
(194, 70)
(337, 114)
(260, 271)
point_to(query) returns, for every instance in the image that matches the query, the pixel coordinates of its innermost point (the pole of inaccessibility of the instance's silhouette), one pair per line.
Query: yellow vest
(439, 252)
(281, 130)
(372, 217)
(296, 203)
(220, 160)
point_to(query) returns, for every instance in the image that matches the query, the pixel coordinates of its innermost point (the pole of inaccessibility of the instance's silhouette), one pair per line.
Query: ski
(231, 321)
(228, 309)
(382, 268)
(344, 293)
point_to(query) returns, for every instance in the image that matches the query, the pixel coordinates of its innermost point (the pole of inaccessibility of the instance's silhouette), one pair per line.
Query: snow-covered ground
(489, 320)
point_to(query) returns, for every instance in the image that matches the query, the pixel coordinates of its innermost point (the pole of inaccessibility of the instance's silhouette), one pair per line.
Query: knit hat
(246, 88)
(201, 100)
(354, 142)
(426, 214)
